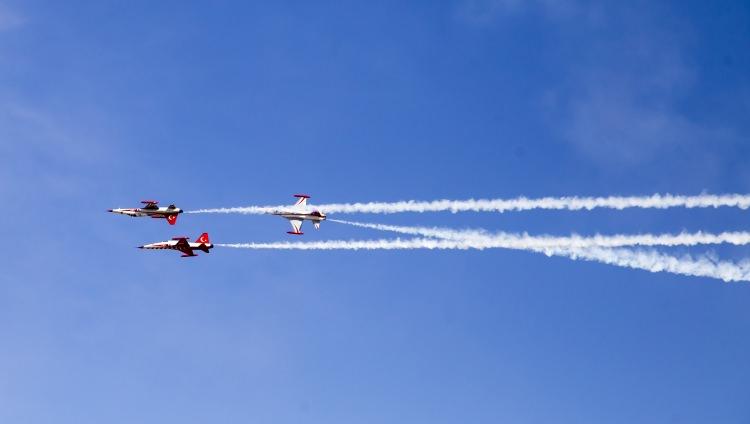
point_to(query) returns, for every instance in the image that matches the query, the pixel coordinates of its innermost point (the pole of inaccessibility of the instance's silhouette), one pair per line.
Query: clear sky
(213, 104)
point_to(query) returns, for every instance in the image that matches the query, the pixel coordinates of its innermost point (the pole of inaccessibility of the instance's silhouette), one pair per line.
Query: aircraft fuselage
(138, 212)
(182, 245)
(172, 244)
(302, 216)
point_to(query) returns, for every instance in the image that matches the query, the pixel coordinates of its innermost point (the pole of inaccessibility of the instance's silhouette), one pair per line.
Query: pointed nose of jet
(140, 247)
(109, 210)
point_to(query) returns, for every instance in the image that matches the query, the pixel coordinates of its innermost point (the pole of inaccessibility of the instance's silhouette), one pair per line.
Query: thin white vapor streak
(395, 244)
(653, 261)
(656, 201)
(524, 240)
(648, 260)
(601, 248)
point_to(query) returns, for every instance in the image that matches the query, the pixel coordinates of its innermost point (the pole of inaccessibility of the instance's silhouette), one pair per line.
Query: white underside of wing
(296, 225)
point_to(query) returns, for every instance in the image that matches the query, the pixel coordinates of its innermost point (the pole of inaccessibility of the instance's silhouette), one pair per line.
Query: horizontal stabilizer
(302, 199)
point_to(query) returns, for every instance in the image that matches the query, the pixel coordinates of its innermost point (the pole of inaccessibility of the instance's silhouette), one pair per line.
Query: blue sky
(103, 104)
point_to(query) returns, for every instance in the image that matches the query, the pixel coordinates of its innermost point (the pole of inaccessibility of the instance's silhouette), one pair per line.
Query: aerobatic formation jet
(183, 245)
(298, 213)
(152, 209)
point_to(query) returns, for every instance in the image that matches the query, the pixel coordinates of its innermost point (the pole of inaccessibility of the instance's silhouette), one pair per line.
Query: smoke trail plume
(396, 244)
(648, 260)
(600, 248)
(653, 261)
(656, 201)
(524, 241)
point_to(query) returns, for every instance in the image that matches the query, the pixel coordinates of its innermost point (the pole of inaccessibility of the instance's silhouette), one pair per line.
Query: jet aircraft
(152, 209)
(298, 213)
(183, 245)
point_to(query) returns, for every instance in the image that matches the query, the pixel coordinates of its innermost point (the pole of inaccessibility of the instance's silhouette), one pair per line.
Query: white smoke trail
(524, 240)
(396, 244)
(656, 201)
(653, 261)
(648, 260)
(600, 248)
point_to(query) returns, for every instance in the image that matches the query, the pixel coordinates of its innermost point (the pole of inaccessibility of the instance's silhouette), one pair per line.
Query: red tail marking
(171, 219)
(203, 239)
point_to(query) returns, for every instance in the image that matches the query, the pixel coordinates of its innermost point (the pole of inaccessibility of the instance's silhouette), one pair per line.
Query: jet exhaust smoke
(605, 249)
(648, 260)
(524, 240)
(656, 201)
(600, 248)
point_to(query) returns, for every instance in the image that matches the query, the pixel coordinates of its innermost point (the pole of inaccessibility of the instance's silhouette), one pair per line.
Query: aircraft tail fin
(316, 224)
(301, 200)
(203, 239)
(172, 219)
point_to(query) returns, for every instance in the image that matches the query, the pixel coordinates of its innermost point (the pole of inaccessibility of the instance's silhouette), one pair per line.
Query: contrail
(648, 260)
(656, 201)
(653, 261)
(524, 240)
(600, 248)
(396, 244)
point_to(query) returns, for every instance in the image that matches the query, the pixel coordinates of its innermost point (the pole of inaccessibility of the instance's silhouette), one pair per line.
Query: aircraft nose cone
(140, 247)
(109, 210)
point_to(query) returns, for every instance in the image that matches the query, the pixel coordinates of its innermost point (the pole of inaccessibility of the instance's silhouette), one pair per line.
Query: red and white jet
(151, 209)
(183, 245)
(299, 213)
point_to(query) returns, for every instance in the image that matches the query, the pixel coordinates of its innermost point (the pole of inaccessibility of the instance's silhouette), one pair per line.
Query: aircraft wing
(183, 246)
(150, 204)
(296, 226)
